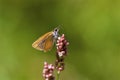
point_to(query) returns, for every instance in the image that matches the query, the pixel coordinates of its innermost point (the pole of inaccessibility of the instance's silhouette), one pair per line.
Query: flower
(61, 53)
(61, 46)
(48, 71)
(59, 63)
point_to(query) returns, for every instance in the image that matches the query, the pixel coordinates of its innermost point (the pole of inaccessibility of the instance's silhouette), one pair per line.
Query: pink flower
(48, 71)
(61, 52)
(59, 63)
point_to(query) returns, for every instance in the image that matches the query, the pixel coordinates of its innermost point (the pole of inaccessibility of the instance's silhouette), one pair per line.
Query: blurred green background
(92, 28)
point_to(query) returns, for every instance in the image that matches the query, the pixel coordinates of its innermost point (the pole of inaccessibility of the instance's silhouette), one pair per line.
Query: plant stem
(58, 76)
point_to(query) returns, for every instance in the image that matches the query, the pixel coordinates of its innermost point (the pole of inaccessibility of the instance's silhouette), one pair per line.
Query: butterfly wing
(49, 43)
(45, 42)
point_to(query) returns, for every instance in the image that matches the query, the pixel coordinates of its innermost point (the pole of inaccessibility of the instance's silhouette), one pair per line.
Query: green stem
(58, 76)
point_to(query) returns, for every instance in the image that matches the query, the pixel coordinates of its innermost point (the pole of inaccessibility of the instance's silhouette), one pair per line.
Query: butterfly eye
(56, 30)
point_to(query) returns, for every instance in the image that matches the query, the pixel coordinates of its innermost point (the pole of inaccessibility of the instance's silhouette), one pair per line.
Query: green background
(92, 28)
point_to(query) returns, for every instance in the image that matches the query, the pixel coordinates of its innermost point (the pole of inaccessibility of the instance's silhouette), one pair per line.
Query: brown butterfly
(46, 42)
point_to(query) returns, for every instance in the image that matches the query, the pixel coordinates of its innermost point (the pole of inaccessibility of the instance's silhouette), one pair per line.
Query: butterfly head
(55, 32)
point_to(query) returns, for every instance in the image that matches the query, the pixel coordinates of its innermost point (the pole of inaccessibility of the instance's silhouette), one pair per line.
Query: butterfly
(46, 41)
